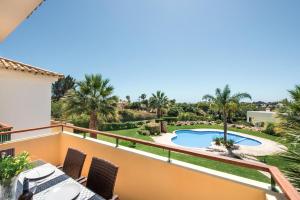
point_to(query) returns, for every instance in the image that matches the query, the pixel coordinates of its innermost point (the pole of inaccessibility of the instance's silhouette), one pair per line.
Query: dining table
(55, 180)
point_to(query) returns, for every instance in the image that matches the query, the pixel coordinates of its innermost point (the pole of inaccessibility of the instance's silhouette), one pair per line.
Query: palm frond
(208, 97)
(218, 92)
(240, 96)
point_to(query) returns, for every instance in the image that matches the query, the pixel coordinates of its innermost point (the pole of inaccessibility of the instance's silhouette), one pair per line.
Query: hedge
(170, 119)
(120, 126)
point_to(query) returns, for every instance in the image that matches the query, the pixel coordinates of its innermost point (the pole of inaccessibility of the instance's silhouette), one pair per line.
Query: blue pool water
(190, 138)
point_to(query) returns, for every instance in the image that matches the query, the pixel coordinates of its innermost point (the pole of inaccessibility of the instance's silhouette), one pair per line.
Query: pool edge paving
(267, 147)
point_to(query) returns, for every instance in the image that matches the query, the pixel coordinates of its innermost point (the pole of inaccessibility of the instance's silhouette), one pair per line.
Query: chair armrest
(115, 197)
(59, 167)
(82, 180)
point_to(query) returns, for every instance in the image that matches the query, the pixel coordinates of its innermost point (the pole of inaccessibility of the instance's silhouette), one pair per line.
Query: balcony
(144, 175)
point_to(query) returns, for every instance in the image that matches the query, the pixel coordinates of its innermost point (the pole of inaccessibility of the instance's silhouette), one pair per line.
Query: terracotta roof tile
(17, 66)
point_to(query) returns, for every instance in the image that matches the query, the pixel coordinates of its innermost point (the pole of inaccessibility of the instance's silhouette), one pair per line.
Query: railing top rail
(4, 126)
(286, 187)
(28, 130)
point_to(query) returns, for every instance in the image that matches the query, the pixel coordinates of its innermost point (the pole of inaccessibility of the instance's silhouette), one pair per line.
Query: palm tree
(159, 101)
(93, 96)
(223, 100)
(144, 102)
(128, 98)
(290, 113)
(143, 97)
(290, 125)
(295, 94)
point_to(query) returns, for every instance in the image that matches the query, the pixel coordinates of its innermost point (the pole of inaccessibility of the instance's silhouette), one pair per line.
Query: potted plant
(10, 168)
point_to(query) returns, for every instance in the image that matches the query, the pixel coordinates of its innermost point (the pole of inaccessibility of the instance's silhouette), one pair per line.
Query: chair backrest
(7, 152)
(73, 163)
(102, 177)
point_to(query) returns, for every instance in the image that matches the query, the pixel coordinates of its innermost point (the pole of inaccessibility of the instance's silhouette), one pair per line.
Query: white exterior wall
(261, 116)
(25, 100)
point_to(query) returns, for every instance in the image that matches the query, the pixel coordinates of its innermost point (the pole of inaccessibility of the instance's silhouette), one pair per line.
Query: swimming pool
(202, 139)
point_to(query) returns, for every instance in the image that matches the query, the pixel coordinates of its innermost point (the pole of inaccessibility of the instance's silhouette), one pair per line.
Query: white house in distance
(25, 96)
(258, 117)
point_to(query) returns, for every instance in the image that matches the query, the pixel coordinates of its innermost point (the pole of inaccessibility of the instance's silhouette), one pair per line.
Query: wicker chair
(73, 163)
(7, 152)
(101, 178)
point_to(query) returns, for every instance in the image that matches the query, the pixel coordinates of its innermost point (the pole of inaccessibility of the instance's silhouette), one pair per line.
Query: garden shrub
(79, 120)
(140, 123)
(219, 121)
(260, 124)
(126, 115)
(187, 116)
(174, 112)
(245, 123)
(187, 107)
(153, 128)
(172, 123)
(135, 105)
(133, 115)
(56, 109)
(217, 141)
(230, 143)
(220, 141)
(144, 132)
(271, 129)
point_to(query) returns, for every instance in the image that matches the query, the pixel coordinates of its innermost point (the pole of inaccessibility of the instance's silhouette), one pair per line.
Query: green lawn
(275, 160)
(231, 169)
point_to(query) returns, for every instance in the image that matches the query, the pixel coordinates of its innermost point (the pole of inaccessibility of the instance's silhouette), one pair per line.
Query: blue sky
(186, 48)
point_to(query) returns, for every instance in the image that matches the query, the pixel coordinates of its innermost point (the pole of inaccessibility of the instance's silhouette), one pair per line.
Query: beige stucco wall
(25, 100)
(46, 147)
